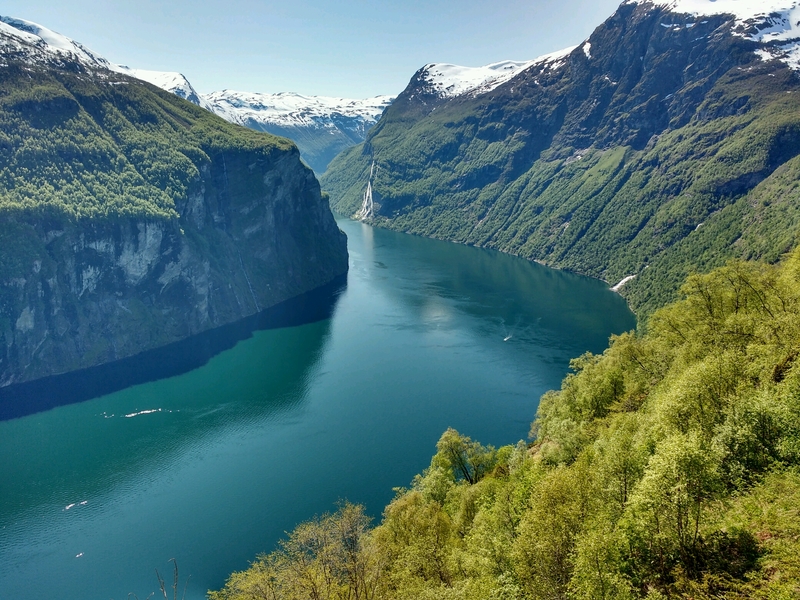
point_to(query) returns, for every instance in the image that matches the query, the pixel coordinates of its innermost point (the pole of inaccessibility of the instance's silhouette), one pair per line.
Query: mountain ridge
(322, 126)
(448, 80)
(651, 150)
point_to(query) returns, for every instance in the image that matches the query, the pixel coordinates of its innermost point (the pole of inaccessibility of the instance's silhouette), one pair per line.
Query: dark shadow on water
(28, 398)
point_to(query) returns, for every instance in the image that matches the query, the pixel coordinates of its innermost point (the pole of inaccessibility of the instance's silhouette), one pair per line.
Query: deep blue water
(210, 467)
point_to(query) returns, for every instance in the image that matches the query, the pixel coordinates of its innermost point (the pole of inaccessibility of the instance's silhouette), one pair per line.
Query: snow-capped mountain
(39, 44)
(170, 81)
(448, 80)
(321, 126)
(774, 24)
(36, 44)
(289, 108)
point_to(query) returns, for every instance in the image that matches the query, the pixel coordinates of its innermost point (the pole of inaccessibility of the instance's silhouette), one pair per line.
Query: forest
(667, 467)
(95, 147)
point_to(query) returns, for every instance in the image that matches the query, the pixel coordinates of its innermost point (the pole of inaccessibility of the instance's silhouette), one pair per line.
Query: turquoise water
(212, 466)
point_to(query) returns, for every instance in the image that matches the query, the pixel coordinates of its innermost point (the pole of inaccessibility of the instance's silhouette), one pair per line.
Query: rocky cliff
(667, 142)
(130, 218)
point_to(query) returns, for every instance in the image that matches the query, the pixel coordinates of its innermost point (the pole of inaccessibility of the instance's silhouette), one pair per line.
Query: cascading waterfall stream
(367, 207)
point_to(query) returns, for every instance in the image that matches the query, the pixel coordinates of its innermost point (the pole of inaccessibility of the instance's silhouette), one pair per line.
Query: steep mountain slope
(18, 34)
(130, 218)
(665, 143)
(320, 126)
(668, 467)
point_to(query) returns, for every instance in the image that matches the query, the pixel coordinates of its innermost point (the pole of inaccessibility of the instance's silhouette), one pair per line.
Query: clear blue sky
(349, 48)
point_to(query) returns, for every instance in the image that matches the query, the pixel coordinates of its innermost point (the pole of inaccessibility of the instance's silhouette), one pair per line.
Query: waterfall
(367, 206)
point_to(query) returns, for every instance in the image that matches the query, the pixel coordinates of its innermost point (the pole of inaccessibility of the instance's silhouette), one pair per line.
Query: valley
(580, 273)
(213, 466)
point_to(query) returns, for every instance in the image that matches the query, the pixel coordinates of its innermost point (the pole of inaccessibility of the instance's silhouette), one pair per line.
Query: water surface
(212, 466)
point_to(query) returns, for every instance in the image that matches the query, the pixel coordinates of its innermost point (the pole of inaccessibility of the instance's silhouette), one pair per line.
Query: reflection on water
(508, 297)
(94, 445)
(212, 466)
(101, 480)
(167, 361)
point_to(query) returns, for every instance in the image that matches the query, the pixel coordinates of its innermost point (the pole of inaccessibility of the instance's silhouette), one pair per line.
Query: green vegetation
(609, 167)
(83, 145)
(667, 467)
(131, 218)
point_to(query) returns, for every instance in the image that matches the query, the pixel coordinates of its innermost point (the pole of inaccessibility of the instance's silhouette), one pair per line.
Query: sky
(347, 48)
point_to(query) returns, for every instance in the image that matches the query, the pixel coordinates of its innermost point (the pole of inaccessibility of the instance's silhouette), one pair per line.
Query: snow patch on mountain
(743, 10)
(786, 53)
(449, 80)
(774, 24)
(288, 109)
(40, 44)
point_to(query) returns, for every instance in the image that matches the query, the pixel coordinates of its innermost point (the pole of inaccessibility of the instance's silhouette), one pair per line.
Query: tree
(464, 458)
(332, 557)
(667, 506)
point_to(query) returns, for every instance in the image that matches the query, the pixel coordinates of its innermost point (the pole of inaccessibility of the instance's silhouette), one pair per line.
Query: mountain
(33, 40)
(666, 143)
(320, 126)
(131, 218)
(173, 82)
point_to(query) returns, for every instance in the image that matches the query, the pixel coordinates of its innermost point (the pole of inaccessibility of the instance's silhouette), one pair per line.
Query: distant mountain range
(666, 143)
(320, 126)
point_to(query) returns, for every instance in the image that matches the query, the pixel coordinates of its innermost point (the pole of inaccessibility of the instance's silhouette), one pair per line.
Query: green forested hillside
(667, 467)
(131, 218)
(668, 148)
(82, 144)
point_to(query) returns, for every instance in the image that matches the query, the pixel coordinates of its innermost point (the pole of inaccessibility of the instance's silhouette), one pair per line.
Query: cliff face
(663, 144)
(85, 294)
(130, 219)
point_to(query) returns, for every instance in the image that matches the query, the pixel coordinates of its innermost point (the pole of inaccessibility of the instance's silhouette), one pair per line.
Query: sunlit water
(212, 466)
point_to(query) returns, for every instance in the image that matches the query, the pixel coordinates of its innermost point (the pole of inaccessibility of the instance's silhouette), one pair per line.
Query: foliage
(462, 457)
(667, 467)
(91, 145)
(329, 557)
(610, 167)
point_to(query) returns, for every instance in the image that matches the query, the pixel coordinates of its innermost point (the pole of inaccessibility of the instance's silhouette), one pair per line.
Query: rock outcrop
(130, 218)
